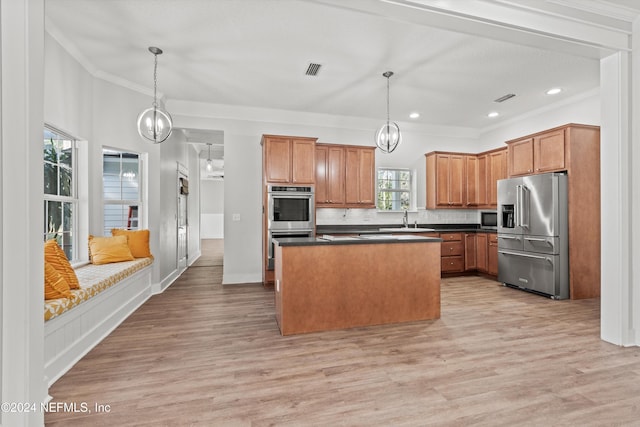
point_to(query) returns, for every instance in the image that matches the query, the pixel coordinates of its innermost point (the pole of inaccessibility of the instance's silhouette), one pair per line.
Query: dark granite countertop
(362, 240)
(375, 228)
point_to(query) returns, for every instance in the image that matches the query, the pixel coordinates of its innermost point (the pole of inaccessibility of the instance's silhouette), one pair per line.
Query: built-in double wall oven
(291, 213)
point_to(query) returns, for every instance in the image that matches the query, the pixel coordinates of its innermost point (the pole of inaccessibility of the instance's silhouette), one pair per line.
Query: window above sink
(395, 190)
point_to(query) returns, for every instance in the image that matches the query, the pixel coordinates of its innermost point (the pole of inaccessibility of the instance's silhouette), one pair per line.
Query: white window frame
(126, 202)
(411, 191)
(73, 199)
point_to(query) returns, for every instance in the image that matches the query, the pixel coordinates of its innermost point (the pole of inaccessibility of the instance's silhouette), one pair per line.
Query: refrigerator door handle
(535, 239)
(516, 207)
(524, 206)
(509, 237)
(544, 258)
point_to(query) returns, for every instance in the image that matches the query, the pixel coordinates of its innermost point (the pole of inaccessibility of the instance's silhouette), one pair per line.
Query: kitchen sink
(406, 230)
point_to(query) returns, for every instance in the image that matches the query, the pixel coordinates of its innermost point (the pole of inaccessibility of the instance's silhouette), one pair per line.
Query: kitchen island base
(327, 287)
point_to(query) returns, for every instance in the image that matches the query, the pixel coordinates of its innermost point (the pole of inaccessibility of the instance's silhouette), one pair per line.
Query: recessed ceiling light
(493, 114)
(554, 91)
(414, 115)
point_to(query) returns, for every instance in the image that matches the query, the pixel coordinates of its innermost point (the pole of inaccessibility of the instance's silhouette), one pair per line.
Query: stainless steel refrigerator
(533, 250)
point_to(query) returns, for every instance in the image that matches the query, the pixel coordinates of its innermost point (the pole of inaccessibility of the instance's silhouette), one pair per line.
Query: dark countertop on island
(355, 240)
(374, 228)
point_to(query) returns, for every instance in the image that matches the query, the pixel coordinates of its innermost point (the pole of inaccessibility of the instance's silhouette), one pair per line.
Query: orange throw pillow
(54, 284)
(54, 255)
(138, 241)
(104, 250)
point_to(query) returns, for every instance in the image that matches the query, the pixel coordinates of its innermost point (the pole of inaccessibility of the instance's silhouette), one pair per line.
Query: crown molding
(91, 68)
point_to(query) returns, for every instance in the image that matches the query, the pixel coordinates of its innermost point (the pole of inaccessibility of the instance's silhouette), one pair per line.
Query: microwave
(290, 208)
(489, 220)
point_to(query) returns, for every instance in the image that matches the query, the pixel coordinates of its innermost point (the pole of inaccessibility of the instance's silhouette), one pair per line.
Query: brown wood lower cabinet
(452, 253)
(492, 254)
(469, 252)
(482, 247)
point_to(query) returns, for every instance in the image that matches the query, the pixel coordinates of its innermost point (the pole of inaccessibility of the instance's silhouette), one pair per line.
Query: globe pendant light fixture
(388, 136)
(155, 124)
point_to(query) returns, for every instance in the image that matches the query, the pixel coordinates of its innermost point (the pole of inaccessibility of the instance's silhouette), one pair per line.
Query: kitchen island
(345, 282)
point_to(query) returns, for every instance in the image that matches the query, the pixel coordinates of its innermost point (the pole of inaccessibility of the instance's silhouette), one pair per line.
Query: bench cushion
(93, 279)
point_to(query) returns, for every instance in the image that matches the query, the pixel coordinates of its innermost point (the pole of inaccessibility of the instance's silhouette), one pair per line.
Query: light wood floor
(207, 355)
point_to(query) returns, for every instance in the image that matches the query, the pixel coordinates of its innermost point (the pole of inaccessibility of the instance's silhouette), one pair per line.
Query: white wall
(104, 114)
(582, 109)
(212, 209)
(194, 250)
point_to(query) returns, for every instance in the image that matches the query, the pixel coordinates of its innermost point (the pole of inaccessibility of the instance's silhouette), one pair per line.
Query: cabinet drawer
(452, 248)
(451, 236)
(451, 264)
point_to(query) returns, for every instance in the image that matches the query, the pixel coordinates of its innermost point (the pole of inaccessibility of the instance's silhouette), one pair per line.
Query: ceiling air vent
(313, 69)
(505, 97)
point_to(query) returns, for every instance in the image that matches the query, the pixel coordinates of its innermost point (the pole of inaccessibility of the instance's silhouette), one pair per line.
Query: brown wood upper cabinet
(345, 176)
(460, 180)
(496, 170)
(473, 181)
(537, 154)
(445, 180)
(330, 171)
(289, 159)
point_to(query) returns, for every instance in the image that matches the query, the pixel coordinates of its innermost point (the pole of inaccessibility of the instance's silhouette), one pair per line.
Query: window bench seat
(108, 294)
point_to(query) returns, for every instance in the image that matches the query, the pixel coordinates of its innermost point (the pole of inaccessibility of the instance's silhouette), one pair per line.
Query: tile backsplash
(332, 216)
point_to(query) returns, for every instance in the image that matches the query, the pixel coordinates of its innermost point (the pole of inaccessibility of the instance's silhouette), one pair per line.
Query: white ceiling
(255, 53)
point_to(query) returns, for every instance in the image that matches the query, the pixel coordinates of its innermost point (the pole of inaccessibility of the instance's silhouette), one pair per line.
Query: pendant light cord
(388, 100)
(155, 80)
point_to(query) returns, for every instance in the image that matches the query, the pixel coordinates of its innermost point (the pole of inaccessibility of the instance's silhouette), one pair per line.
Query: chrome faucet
(405, 219)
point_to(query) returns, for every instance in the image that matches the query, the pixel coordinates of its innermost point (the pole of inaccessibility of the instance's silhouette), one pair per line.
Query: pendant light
(209, 162)
(155, 124)
(388, 136)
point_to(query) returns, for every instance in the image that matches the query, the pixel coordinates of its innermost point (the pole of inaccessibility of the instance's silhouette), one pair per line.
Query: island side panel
(327, 287)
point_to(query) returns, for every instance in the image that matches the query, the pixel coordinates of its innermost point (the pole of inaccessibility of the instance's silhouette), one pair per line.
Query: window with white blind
(395, 189)
(60, 192)
(121, 183)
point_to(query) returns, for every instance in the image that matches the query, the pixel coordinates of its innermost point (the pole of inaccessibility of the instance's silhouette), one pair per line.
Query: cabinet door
(359, 176)
(492, 254)
(482, 246)
(483, 181)
(497, 171)
(450, 180)
(442, 179)
(549, 152)
(335, 174)
(303, 161)
(351, 176)
(322, 175)
(472, 181)
(278, 160)
(521, 157)
(456, 181)
(366, 176)
(470, 251)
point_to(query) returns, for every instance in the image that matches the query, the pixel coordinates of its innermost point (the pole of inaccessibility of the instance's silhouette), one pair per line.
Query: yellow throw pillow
(54, 284)
(138, 241)
(104, 250)
(54, 255)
